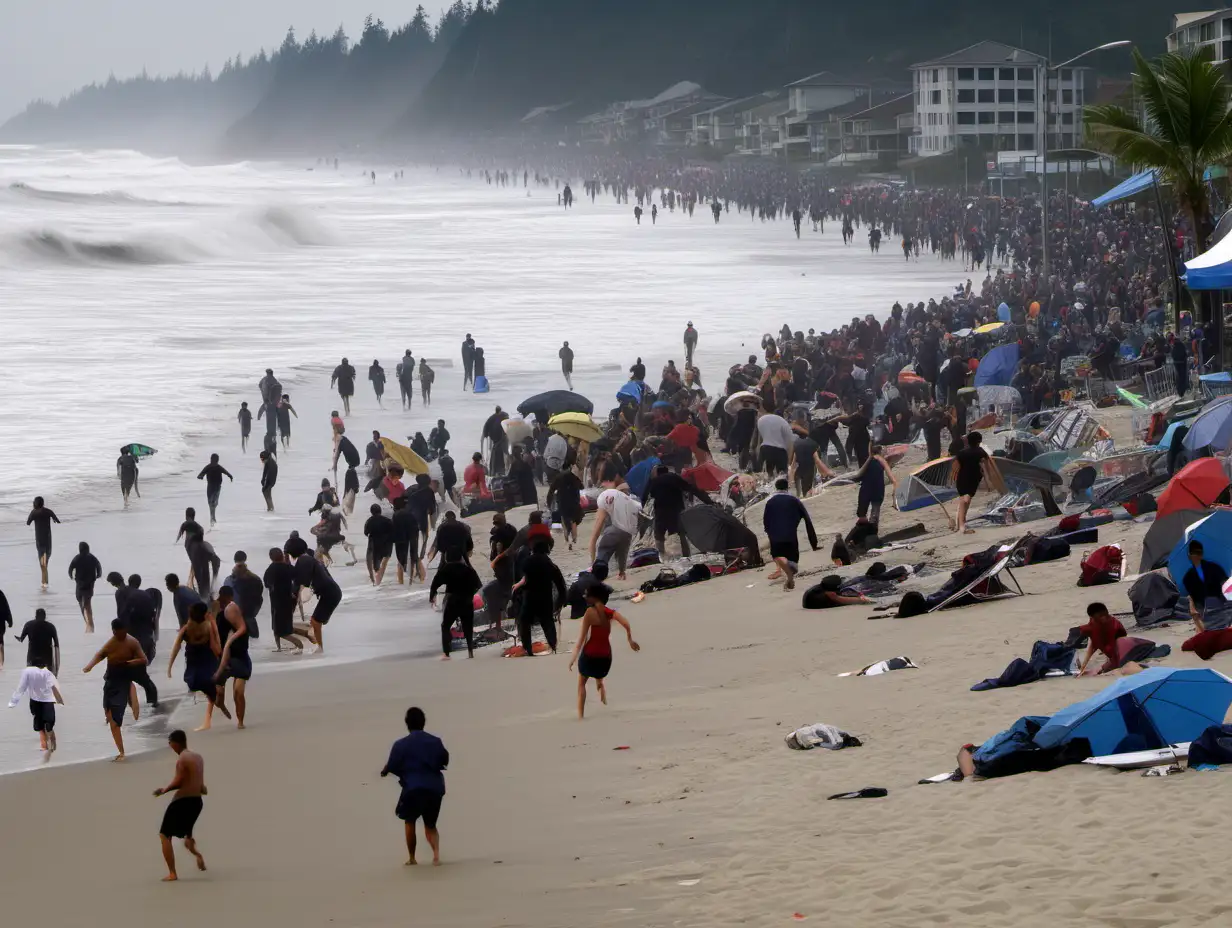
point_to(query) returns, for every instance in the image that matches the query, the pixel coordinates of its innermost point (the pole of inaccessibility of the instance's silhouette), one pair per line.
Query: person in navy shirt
(419, 761)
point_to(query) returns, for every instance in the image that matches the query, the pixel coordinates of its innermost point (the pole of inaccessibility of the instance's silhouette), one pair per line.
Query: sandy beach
(707, 819)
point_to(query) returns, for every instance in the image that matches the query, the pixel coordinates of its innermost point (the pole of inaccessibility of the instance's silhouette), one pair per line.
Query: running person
(122, 654)
(419, 761)
(212, 474)
(380, 531)
(872, 476)
(235, 663)
(312, 574)
(593, 652)
(42, 517)
(279, 580)
(269, 476)
(41, 686)
(405, 372)
(970, 466)
(182, 813)
(199, 636)
(344, 378)
(85, 570)
(540, 579)
(126, 470)
(42, 642)
(376, 374)
(284, 412)
(461, 584)
(244, 418)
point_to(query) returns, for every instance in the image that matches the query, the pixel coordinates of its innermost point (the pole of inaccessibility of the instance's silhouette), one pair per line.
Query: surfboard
(1137, 759)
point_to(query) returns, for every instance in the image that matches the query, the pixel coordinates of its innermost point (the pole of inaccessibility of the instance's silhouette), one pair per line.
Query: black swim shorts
(415, 804)
(180, 817)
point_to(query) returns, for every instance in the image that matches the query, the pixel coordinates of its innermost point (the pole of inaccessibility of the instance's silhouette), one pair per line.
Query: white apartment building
(1209, 30)
(992, 97)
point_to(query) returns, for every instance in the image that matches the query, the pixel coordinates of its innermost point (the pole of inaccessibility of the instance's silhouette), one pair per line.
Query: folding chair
(995, 587)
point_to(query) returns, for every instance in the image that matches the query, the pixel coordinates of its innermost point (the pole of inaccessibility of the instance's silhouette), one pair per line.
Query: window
(987, 74)
(935, 78)
(1067, 119)
(966, 96)
(1026, 142)
(987, 118)
(1026, 74)
(966, 119)
(1005, 94)
(1067, 74)
(1026, 95)
(1067, 97)
(1227, 46)
(1026, 116)
(934, 97)
(1207, 32)
(966, 74)
(1007, 74)
(1227, 27)
(1005, 117)
(987, 95)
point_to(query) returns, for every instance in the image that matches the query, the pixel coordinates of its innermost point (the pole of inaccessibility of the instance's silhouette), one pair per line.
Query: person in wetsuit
(344, 378)
(376, 374)
(279, 581)
(406, 379)
(85, 570)
(136, 607)
(540, 579)
(284, 412)
(244, 417)
(468, 361)
(199, 638)
(461, 583)
(566, 363)
(212, 474)
(41, 518)
(126, 470)
(269, 476)
(310, 573)
(406, 542)
(380, 531)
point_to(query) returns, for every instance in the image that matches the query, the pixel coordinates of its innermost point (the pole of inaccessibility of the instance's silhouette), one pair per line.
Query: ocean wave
(238, 236)
(106, 196)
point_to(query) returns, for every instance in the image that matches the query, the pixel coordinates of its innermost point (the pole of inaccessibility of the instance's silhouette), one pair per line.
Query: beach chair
(997, 582)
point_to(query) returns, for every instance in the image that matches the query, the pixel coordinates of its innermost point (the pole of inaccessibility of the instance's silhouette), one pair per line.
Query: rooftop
(826, 79)
(986, 52)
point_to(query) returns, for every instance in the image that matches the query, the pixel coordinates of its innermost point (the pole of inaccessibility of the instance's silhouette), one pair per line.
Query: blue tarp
(998, 366)
(1126, 188)
(1003, 312)
(1215, 533)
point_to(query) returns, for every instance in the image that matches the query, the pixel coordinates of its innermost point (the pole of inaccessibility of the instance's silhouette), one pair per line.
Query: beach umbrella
(556, 401)
(707, 477)
(631, 392)
(1165, 441)
(516, 430)
(1215, 533)
(1212, 427)
(662, 404)
(998, 366)
(962, 333)
(1152, 709)
(410, 461)
(576, 425)
(140, 451)
(713, 531)
(988, 327)
(1164, 535)
(913, 493)
(745, 399)
(1195, 486)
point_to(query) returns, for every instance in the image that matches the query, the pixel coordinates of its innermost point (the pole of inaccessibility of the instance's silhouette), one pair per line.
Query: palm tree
(1187, 128)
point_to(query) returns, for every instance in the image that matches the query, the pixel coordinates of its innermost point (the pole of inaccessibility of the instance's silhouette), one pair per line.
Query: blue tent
(1215, 533)
(998, 366)
(632, 392)
(1127, 188)
(1003, 312)
(639, 475)
(1152, 709)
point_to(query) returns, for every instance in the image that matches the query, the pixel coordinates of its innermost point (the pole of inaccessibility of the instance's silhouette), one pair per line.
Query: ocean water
(143, 298)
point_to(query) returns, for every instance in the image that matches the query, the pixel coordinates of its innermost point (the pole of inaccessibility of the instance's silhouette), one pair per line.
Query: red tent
(706, 477)
(1196, 486)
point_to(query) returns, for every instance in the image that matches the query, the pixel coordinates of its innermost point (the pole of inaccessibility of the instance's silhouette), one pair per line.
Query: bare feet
(170, 878)
(446, 657)
(411, 863)
(117, 759)
(436, 861)
(200, 862)
(239, 726)
(204, 726)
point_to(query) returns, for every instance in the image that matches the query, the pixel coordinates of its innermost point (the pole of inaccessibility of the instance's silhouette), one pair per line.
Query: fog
(50, 48)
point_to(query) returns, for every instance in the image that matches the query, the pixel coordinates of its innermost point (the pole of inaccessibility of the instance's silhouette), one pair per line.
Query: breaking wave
(73, 196)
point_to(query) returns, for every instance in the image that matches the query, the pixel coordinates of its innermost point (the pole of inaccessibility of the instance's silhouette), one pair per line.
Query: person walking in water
(199, 638)
(212, 474)
(126, 470)
(419, 761)
(593, 652)
(85, 570)
(566, 363)
(376, 374)
(468, 361)
(426, 376)
(269, 476)
(244, 418)
(690, 344)
(344, 378)
(123, 654)
(182, 812)
(461, 583)
(43, 689)
(41, 518)
(235, 663)
(406, 379)
(285, 411)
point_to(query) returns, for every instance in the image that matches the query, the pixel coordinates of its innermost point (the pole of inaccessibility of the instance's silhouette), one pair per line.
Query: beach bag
(665, 580)
(1048, 549)
(1103, 565)
(644, 557)
(912, 603)
(481, 384)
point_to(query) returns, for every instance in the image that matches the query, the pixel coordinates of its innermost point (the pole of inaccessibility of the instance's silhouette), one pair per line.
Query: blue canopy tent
(1126, 188)
(1215, 533)
(1211, 270)
(998, 366)
(1152, 709)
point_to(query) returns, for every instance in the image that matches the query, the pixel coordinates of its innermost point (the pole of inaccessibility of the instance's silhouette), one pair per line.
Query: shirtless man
(121, 652)
(181, 815)
(234, 663)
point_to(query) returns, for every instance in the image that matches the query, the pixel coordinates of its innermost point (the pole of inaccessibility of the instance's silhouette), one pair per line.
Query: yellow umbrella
(410, 461)
(990, 327)
(576, 425)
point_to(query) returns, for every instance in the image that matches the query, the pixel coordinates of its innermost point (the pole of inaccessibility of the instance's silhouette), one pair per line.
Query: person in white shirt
(778, 444)
(615, 526)
(41, 686)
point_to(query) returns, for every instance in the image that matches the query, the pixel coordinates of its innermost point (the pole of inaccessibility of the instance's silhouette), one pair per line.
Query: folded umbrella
(410, 461)
(554, 402)
(576, 425)
(745, 399)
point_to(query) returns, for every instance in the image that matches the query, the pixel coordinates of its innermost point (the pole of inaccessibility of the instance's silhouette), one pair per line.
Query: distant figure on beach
(468, 361)
(244, 417)
(182, 812)
(405, 372)
(419, 761)
(970, 466)
(234, 663)
(85, 570)
(41, 518)
(690, 344)
(270, 388)
(376, 374)
(42, 642)
(567, 196)
(593, 652)
(566, 363)
(344, 378)
(123, 654)
(781, 521)
(42, 688)
(461, 583)
(426, 376)
(212, 474)
(285, 411)
(269, 476)
(541, 578)
(199, 638)
(126, 470)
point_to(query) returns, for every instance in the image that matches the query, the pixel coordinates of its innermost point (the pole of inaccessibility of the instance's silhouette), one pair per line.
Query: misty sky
(50, 47)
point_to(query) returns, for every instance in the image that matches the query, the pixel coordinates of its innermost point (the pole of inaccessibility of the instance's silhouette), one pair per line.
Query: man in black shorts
(122, 654)
(419, 761)
(970, 466)
(183, 811)
(85, 570)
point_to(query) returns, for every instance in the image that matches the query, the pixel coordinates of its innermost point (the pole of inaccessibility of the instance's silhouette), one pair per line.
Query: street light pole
(1046, 68)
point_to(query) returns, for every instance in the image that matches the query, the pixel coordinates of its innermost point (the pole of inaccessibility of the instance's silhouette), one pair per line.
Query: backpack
(1103, 565)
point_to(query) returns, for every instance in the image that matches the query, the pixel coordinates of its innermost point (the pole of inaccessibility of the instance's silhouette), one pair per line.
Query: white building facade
(1210, 31)
(997, 99)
